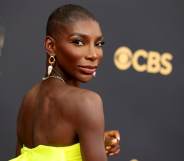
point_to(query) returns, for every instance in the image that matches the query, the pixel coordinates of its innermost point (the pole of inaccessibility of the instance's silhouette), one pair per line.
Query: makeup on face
(79, 49)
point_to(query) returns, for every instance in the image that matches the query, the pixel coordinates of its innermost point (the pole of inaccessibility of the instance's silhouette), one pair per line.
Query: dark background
(146, 108)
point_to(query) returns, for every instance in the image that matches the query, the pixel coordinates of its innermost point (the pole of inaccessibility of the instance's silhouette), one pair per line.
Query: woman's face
(78, 49)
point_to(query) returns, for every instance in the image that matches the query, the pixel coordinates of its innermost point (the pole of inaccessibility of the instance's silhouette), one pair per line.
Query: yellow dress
(50, 153)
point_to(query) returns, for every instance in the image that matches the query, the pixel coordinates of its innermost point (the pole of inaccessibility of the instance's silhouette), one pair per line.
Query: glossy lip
(87, 69)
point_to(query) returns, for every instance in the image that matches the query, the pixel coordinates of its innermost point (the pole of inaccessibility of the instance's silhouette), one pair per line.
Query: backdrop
(141, 79)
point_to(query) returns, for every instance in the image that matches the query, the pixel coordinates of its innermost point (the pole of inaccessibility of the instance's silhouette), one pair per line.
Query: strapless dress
(50, 153)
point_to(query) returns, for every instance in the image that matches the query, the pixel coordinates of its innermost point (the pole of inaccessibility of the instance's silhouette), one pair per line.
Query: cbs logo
(142, 61)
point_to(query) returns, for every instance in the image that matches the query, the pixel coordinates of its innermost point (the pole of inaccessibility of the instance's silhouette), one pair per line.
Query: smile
(87, 69)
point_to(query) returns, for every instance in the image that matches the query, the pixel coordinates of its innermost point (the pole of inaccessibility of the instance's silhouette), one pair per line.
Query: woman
(58, 120)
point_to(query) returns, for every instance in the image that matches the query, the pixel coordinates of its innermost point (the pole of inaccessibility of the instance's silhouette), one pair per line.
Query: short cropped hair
(64, 15)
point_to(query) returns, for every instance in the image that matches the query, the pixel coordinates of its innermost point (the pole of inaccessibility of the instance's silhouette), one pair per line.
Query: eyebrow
(101, 37)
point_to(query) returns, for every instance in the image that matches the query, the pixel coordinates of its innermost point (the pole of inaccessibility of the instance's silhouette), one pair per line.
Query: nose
(93, 53)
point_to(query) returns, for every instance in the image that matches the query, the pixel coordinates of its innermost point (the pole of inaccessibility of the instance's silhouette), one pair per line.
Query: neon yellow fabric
(50, 153)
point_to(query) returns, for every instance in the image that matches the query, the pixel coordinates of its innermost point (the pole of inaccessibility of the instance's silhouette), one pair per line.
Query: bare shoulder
(79, 102)
(27, 100)
(89, 109)
(88, 98)
(31, 92)
(77, 97)
(85, 100)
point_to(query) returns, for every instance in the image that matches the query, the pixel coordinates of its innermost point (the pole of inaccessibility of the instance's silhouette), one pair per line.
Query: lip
(87, 69)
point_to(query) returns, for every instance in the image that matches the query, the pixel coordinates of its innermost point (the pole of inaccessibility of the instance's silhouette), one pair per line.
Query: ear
(49, 44)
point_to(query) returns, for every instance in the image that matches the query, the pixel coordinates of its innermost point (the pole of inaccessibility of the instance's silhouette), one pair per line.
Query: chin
(85, 79)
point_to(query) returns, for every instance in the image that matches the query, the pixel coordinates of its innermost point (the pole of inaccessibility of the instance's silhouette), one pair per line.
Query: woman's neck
(67, 79)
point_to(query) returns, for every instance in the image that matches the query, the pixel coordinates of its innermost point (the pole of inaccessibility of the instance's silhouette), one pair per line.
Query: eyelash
(76, 42)
(81, 43)
(100, 44)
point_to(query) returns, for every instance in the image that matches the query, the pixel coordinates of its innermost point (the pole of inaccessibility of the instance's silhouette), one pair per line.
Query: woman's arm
(19, 145)
(90, 128)
(18, 148)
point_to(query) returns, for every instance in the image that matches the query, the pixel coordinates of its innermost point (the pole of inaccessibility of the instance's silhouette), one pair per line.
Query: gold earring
(51, 62)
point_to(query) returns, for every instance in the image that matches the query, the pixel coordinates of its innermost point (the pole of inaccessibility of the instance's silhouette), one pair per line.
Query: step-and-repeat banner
(141, 78)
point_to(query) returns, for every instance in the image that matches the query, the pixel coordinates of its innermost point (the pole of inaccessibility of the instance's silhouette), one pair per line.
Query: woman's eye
(100, 44)
(78, 42)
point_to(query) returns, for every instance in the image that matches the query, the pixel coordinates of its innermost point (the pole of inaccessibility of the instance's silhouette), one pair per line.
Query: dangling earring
(94, 74)
(51, 63)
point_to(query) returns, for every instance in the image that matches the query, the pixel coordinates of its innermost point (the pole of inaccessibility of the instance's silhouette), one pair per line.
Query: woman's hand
(112, 140)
